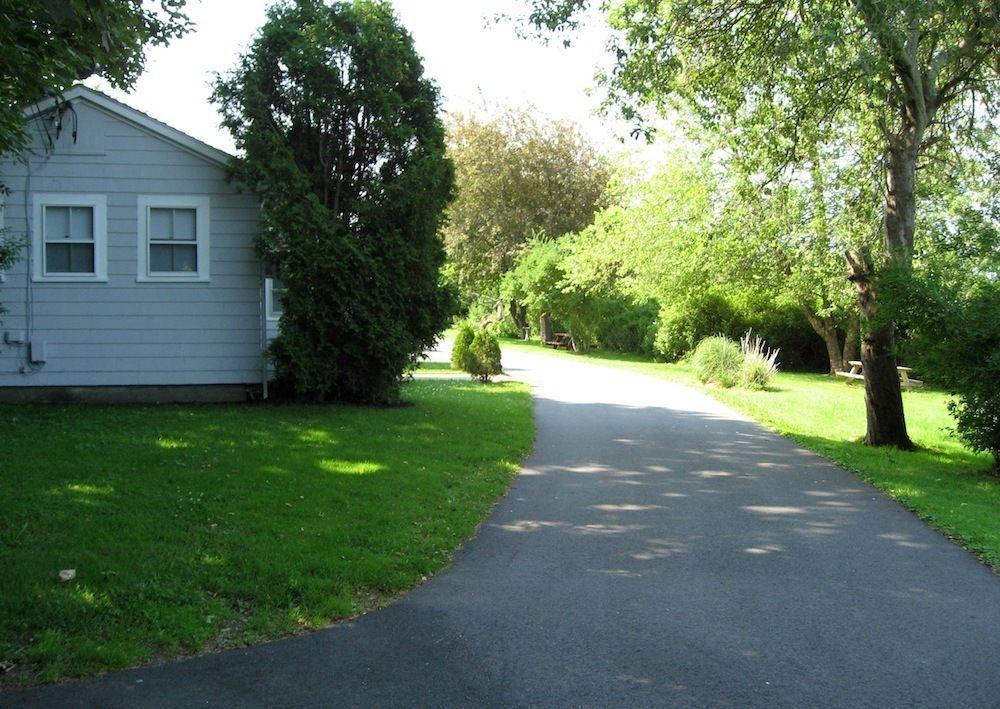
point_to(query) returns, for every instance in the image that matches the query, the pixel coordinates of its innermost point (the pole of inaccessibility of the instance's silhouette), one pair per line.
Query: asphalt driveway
(657, 549)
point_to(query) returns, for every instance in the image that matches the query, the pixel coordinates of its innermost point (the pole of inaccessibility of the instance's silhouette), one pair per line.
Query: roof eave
(135, 117)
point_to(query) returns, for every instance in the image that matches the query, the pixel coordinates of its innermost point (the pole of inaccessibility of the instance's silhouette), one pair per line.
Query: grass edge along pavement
(201, 527)
(944, 483)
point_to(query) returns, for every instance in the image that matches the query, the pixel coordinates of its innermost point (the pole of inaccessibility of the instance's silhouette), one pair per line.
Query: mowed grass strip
(943, 482)
(438, 368)
(203, 527)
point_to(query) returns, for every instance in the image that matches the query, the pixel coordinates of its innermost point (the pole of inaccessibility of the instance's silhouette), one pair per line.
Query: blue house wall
(127, 331)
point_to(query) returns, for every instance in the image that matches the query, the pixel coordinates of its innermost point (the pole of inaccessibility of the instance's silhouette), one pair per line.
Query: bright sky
(478, 63)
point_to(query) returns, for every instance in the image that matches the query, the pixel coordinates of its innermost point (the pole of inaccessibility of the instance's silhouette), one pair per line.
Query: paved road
(657, 549)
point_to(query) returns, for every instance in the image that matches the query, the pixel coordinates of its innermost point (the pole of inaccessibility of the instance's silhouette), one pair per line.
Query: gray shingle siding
(122, 332)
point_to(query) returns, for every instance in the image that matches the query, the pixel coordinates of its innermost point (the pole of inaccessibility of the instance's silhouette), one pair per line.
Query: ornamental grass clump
(759, 363)
(718, 360)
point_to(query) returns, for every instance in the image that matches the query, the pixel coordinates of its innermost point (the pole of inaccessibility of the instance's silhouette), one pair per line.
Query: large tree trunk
(519, 314)
(545, 328)
(883, 396)
(826, 328)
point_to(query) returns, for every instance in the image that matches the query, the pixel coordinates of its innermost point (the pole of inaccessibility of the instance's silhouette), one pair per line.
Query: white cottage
(138, 279)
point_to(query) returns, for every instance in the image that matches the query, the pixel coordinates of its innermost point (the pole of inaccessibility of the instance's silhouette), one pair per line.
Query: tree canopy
(909, 77)
(48, 45)
(342, 142)
(518, 176)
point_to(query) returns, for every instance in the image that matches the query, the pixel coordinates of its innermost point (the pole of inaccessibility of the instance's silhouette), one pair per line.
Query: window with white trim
(70, 237)
(274, 294)
(173, 238)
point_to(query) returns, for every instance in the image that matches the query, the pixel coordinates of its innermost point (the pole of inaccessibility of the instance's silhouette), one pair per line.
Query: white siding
(123, 332)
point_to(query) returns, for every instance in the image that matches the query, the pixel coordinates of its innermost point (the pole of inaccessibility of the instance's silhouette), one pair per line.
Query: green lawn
(943, 482)
(437, 369)
(200, 527)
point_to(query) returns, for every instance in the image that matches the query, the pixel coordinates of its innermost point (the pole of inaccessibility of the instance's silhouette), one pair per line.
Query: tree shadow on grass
(184, 522)
(649, 554)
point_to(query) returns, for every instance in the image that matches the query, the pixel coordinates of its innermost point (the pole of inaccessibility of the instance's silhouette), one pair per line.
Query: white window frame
(269, 300)
(201, 204)
(97, 202)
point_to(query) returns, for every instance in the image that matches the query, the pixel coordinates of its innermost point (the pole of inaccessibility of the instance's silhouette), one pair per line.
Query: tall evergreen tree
(342, 142)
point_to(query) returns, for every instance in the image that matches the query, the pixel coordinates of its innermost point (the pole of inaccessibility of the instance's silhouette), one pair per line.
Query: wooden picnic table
(560, 340)
(905, 380)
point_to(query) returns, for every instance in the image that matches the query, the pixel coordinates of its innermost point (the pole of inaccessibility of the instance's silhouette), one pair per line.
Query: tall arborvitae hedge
(340, 138)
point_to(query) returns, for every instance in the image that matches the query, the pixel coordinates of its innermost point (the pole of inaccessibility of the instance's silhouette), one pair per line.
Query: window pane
(56, 223)
(160, 224)
(277, 300)
(82, 223)
(161, 258)
(57, 258)
(185, 224)
(185, 258)
(173, 258)
(81, 258)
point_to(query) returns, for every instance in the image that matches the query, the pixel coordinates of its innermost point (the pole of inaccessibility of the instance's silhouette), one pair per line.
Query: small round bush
(718, 360)
(462, 349)
(485, 356)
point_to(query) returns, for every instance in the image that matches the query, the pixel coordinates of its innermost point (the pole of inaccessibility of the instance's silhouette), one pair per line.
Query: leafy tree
(954, 333)
(517, 177)
(48, 45)
(539, 280)
(342, 142)
(910, 73)
(653, 246)
(949, 302)
(788, 238)
(10, 248)
(716, 254)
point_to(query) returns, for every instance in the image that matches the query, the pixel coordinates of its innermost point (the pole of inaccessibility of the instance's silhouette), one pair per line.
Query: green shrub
(507, 328)
(971, 369)
(683, 325)
(954, 337)
(759, 363)
(626, 326)
(784, 326)
(9, 250)
(484, 359)
(718, 360)
(461, 351)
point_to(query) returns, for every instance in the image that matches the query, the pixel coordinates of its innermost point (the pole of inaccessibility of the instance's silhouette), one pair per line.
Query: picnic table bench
(905, 380)
(560, 340)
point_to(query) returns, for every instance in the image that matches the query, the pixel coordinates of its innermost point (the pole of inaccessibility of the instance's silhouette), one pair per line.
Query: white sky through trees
(478, 63)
